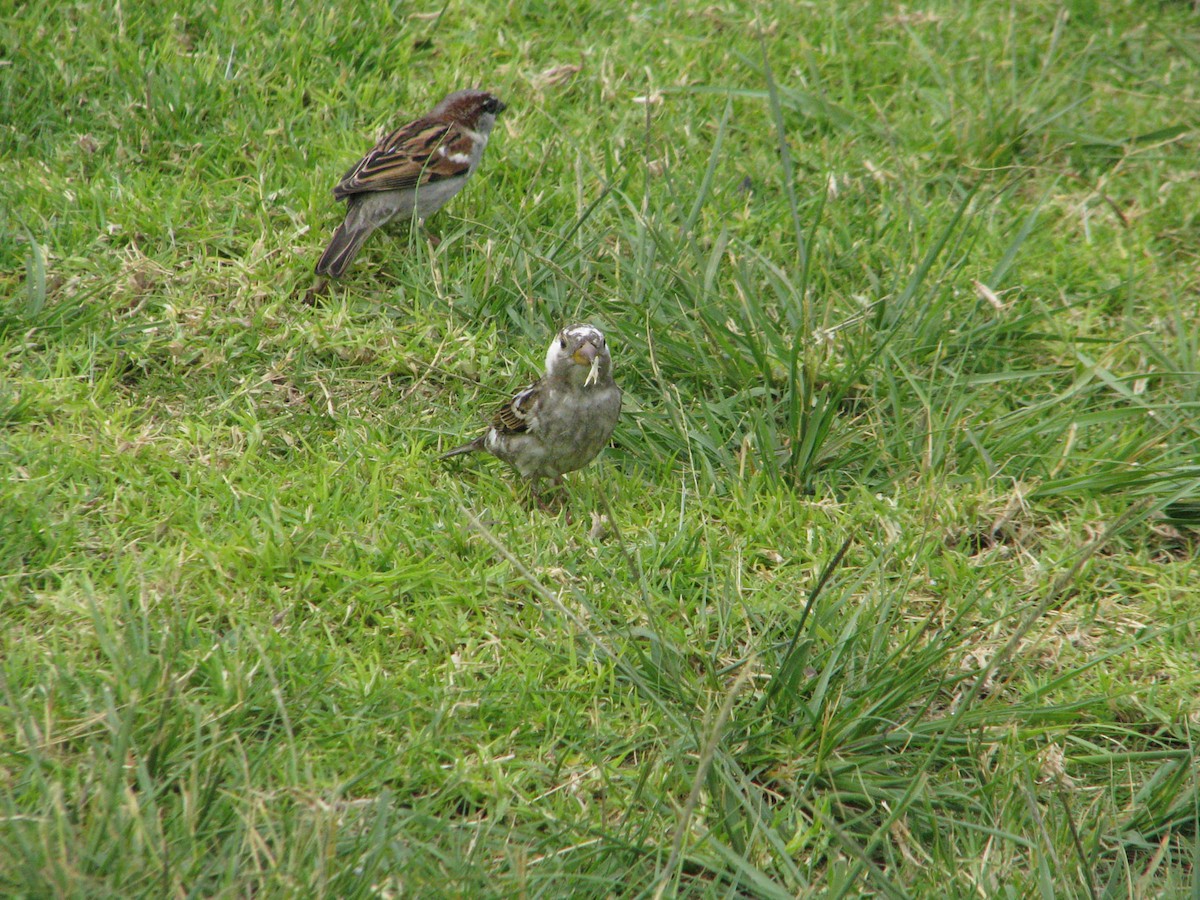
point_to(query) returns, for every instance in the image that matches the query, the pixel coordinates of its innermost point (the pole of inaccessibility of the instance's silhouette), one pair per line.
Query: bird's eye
(562, 342)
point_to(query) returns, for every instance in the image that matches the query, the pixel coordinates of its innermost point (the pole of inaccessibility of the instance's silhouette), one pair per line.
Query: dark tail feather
(343, 247)
(469, 447)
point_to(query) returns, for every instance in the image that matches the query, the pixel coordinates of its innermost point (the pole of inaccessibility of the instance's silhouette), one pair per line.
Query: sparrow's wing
(514, 416)
(422, 151)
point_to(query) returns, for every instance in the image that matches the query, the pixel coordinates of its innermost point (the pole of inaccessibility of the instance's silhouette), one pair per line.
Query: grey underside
(368, 211)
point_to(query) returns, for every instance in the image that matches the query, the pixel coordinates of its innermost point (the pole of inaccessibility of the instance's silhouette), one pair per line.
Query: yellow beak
(586, 354)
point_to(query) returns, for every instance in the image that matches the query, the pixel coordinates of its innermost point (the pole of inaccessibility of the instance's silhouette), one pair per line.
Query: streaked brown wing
(513, 417)
(414, 154)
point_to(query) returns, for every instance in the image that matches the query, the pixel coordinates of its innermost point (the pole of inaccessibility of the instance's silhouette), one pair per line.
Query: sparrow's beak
(586, 354)
(501, 106)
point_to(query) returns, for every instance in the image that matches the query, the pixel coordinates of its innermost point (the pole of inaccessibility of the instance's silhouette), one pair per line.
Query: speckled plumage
(415, 169)
(561, 422)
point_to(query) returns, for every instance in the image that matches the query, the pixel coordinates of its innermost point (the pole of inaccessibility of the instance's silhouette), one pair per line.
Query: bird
(564, 419)
(415, 169)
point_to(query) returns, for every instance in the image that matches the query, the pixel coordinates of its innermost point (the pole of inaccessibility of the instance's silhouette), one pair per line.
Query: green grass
(895, 592)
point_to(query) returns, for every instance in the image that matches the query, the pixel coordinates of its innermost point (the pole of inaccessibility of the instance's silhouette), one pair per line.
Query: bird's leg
(546, 503)
(320, 287)
(536, 493)
(566, 509)
(560, 494)
(433, 239)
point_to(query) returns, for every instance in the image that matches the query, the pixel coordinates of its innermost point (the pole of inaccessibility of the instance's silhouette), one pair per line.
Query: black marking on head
(583, 332)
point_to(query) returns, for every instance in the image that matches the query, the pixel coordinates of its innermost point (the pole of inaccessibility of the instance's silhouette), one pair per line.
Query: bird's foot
(320, 287)
(552, 501)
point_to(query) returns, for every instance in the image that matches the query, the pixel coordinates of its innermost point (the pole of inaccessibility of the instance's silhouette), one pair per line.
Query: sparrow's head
(476, 110)
(579, 353)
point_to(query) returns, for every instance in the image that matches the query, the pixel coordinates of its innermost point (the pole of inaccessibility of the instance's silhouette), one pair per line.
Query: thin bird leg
(536, 493)
(559, 498)
(554, 502)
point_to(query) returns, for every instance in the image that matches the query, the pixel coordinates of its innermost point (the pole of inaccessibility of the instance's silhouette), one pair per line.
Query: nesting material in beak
(588, 354)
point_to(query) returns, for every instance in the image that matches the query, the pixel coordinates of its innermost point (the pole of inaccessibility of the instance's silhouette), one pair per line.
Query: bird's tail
(469, 447)
(343, 247)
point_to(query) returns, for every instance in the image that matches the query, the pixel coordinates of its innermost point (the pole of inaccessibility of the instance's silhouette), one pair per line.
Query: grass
(887, 585)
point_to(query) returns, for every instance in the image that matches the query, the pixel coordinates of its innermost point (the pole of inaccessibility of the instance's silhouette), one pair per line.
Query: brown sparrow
(412, 171)
(562, 421)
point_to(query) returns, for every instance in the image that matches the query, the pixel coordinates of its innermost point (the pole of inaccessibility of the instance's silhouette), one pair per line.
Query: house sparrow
(416, 168)
(562, 421)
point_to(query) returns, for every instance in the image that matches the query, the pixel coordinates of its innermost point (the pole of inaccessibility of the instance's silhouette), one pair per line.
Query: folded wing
(514, 416)
(413, 155)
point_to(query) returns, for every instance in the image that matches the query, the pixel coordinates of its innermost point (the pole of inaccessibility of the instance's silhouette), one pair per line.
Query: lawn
(888, 585)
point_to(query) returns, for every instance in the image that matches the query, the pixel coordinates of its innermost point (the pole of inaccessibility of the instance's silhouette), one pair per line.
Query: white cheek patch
(461, 158)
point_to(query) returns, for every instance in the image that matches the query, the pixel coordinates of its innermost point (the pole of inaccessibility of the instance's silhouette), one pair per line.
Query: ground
(886, 586)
